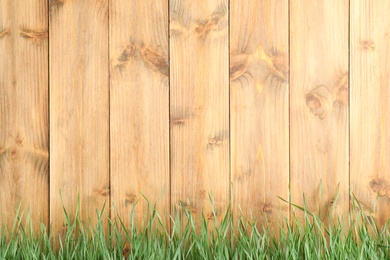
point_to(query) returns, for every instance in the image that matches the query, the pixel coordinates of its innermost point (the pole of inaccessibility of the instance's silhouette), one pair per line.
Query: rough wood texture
(24, 110)
(79, 110)
(259, 108)
(199, 99)
(319, 105)
(139, 106)
(370, 98)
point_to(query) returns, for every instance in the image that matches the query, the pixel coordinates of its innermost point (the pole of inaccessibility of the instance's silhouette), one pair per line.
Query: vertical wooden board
(370, 97)
(79, 111)
(199, 105)
(259, 109)
(139, 107)
(24, 110)
(319, 105)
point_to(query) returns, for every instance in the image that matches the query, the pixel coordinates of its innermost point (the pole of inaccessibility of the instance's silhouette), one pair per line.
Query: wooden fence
(173, 99)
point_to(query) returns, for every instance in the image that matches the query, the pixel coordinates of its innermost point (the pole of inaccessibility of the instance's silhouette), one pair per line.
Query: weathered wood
(259, 109)
(139, 107)
(319, 105)
(24, 111)
(79, 109)
(199, 105)
(370, 98)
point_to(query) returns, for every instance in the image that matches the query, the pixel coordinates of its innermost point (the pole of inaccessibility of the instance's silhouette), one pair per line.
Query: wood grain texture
(79, 110)
(319, 105)
(199, 105)
(370, 98)
(139, 107)
(259, 108)
(24, 110)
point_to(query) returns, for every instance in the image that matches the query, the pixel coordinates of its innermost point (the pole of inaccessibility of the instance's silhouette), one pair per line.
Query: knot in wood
(318, 102)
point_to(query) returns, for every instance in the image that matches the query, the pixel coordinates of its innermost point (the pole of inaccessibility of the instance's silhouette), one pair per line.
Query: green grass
(312, 239)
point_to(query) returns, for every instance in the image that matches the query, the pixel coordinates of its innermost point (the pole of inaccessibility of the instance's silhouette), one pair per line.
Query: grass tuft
(225, 239)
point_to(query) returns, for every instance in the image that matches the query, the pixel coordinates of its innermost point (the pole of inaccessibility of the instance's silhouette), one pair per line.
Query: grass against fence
(232, 238)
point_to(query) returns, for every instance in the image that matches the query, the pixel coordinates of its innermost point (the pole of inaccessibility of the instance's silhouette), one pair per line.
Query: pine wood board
(79, 110)
(139, 120)
(319, 107)
(259, 109)
(199, 106)
(24, 137)
(370, 97)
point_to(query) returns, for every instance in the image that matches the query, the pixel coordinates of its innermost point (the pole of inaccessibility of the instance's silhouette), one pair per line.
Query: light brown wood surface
(139, 107)
(79, 109)
(199, 105)
(178, 99)
(24, 111)
(319, 105)
(259, 109)
(370, 98)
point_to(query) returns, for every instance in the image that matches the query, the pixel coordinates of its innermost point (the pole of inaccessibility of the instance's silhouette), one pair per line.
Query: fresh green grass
(312, 239)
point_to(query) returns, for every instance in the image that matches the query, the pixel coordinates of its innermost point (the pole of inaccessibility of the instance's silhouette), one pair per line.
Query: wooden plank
(199, 105)
(79, 110)
(24, 110)
(319, 105)
(139, 107)
(370, 97)
(259, 109)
